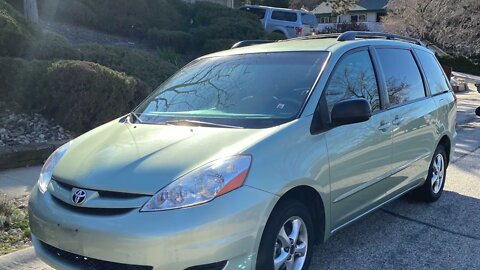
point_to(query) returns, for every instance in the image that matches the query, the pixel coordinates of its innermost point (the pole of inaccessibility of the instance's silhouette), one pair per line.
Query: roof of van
(323, 44)
(276, 8)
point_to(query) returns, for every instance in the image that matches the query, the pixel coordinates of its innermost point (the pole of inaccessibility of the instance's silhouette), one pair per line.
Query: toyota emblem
(79, 196)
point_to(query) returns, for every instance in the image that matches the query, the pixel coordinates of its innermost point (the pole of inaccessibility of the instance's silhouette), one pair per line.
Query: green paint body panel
(354, 168)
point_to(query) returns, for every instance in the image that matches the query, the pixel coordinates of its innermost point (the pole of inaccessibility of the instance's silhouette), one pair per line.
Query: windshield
(249, 90)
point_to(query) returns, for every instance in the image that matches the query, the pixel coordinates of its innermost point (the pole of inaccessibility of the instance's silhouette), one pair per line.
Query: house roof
(360, 5)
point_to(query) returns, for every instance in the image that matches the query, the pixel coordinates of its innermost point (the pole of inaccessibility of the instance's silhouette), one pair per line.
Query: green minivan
(246, 158)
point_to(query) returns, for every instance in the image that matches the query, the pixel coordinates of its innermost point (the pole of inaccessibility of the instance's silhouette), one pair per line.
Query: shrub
(461, 64)
(83, 95)
(21, 83)
(178, 40)
(69, 11)
(15, 33)
(276, 36)
(171, 56)
(344, 27)
(123, 17)
(52, 46)
(215, 45)
(146, 66)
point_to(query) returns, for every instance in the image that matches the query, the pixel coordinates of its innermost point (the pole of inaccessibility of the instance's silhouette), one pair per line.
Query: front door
(359, 154)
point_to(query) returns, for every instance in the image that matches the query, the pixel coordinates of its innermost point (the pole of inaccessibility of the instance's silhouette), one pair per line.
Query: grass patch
(14, 230)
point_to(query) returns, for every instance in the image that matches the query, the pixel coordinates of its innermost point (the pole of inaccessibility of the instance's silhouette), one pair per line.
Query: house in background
(367, 12)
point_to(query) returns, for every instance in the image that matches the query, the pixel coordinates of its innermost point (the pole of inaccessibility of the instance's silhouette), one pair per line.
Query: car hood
(142, 159)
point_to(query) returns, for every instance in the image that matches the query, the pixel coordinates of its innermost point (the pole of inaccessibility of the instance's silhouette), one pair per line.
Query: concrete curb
(22, 260)
(26, 155)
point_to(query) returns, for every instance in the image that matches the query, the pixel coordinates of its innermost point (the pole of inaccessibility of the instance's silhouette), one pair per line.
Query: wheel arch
(316, 206)
(446, 142)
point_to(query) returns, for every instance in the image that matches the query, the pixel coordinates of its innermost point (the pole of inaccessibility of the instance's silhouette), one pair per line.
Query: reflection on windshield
(239, 90)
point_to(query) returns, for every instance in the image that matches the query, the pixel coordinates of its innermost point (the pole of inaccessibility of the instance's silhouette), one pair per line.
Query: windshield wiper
(197, 123)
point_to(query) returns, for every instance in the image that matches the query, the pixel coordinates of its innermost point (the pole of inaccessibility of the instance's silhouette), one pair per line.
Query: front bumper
(227, 228)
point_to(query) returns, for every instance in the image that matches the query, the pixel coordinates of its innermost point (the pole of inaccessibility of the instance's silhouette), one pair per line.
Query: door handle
(384, 126)
(398, 120)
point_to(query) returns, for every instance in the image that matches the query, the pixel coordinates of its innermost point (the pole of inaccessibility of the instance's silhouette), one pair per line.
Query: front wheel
(437, 173)
(287, 240)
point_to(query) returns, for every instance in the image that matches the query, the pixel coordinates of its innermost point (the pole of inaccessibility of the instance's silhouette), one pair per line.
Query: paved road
(402, 235)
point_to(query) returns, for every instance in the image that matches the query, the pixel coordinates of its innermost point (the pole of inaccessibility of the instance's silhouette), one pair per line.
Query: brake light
(454, 98)
(299, 31)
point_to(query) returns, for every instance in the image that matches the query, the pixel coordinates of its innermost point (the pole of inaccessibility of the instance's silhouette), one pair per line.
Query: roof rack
(245, 43)
(346, 36)
(351, 35)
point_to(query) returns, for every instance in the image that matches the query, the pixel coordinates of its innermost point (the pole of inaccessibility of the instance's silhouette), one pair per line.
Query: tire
(278, 35)
(432, 189)
(286, 215)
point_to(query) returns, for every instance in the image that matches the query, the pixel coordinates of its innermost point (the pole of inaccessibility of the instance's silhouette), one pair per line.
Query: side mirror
(351, 111)
(477, 111)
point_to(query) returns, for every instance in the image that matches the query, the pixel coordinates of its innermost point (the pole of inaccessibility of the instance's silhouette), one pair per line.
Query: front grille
(89, 263)
(211, 266)
(92, 211)
(105, 193)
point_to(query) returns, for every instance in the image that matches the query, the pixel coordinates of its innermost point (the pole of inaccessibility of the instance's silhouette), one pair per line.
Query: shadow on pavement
(408, 234)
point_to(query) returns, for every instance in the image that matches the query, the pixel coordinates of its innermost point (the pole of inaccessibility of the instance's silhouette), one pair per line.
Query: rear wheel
(437, 173)
(287, 240)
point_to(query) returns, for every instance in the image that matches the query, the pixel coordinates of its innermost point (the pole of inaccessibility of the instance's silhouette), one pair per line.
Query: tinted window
(354, 77)
(284, 16)
(309, 19)
(404, 82)
(248, 90)
(434, 73)
(259, 12)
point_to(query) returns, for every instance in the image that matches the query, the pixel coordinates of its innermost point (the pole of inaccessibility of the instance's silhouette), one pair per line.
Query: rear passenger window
(309, 19)
(434, 73)
(404, 82)
(284, 16)
(259, 12)
(354, 77)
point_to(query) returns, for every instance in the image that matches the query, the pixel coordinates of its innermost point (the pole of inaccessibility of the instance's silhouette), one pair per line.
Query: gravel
(23, 129)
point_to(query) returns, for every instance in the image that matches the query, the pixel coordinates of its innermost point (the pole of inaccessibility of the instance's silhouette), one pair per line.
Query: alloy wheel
(438, 174)
(291, 246)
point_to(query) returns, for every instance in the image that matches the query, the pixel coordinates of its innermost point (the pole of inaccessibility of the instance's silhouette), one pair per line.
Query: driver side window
(353, 77)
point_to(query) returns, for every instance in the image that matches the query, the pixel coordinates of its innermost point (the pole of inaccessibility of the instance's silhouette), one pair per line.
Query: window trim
(426, 90)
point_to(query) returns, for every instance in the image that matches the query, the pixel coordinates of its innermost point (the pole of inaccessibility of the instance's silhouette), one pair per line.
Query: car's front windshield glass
(249, 90)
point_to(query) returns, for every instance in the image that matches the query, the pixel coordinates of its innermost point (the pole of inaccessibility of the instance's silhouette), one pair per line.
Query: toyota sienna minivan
(246, 158)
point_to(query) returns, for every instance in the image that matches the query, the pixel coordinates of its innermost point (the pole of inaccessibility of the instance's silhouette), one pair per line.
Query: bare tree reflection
(397, 90)
(354, 78)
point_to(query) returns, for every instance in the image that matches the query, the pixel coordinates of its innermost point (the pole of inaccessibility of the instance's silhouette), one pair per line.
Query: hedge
(83, 95)
(148, 67)
(21, 83)
(51, 46)
(461, 64)
(179, 41)
(16, 34)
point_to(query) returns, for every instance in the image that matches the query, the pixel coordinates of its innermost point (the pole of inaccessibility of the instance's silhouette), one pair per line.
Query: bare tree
(30, 10)
(451, 24)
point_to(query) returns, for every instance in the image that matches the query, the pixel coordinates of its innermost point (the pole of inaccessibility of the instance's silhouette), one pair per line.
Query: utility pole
(30, 10)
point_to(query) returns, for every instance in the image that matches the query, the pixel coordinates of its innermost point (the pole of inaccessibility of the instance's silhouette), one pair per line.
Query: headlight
(49, 166)
(202, 185)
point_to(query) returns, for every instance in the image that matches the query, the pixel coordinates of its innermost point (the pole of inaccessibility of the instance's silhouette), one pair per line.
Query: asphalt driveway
(405, 234)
